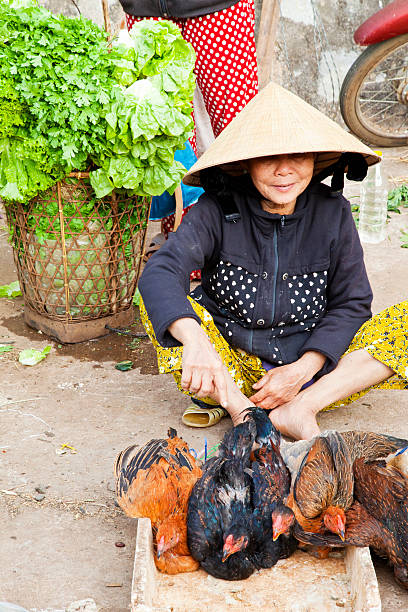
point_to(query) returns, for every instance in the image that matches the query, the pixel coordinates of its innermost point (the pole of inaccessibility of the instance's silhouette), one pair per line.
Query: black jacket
(276, 286)
(174, 8)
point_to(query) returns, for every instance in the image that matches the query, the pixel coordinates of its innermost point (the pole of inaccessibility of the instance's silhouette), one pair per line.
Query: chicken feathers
(378, 517)
(218, 507)
(399, 460)
(229, 522)
(322, 472)
(155, 482)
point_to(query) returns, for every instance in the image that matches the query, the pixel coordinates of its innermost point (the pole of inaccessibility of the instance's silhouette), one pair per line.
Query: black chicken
(235, 512)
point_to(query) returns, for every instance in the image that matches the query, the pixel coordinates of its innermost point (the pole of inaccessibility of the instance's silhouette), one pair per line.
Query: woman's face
(281, 179)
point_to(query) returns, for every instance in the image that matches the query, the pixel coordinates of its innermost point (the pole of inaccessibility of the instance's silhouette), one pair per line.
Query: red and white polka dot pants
(226, 68)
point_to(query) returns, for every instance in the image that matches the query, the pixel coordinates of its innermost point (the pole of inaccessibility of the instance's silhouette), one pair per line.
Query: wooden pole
(106, 19)
(266, 40)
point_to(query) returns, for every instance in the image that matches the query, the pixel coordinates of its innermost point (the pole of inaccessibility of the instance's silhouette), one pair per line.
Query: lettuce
(68, 102)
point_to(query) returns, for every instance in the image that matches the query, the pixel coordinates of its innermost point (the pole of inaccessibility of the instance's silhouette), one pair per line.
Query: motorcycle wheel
(374, 94)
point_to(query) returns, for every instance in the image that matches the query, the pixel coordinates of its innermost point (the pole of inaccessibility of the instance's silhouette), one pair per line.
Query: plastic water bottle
(373, 205)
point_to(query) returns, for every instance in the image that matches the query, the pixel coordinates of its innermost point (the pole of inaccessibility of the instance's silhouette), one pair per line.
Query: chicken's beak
(275, 535)
(282, 521)
(232, 546)
(341, 528)
(160, 547)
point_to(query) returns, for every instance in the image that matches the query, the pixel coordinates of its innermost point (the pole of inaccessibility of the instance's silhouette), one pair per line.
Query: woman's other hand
(282, 384)
(203, 372)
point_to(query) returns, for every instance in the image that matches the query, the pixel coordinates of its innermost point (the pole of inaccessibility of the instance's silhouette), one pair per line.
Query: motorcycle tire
(353, 84)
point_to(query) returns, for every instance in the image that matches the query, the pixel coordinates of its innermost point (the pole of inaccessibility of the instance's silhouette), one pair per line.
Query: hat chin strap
(356, 165)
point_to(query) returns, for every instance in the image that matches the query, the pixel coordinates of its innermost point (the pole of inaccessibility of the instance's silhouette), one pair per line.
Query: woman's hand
(282, 384)
(203, 372)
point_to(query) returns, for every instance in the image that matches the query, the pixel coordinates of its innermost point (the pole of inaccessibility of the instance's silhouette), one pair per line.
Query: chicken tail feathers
(371, 445)
(266, 433)
(171, 433)
(183, 459)
(133, 459)
(237, 442)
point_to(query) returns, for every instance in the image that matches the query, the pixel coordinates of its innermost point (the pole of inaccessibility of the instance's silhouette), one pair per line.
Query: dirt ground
(59, 522)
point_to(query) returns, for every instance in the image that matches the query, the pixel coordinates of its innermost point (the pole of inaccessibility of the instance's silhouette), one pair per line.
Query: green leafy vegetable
(136, 297)
(404, 239)
(31, 357)
(10, 291)
(5, 348)
(396, 198)
(124, 366)
(69, 102)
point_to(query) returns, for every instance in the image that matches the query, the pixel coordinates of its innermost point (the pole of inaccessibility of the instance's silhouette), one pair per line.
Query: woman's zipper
(163, 8)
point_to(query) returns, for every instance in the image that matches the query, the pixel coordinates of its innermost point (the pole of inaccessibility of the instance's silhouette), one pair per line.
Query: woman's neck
(278, 209)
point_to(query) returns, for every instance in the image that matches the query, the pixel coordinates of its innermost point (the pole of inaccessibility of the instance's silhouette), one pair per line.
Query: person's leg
(356, 371)
(226, 66)
(376, 358)
(244, 369)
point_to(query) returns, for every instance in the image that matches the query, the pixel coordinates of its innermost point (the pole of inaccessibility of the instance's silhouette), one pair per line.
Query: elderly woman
(284, 287)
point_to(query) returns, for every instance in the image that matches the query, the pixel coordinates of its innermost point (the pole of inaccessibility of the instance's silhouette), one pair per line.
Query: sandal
(157, 241)
(203, 417)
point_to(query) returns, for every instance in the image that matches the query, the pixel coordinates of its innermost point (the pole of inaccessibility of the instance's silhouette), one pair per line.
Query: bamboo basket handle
(179, 207)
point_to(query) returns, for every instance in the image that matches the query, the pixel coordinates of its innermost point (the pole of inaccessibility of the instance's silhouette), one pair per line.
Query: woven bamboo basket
(78, 259)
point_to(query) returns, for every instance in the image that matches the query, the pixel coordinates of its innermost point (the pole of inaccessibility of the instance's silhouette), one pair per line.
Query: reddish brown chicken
(322, 476)
(155, 482)
(323, 487)
(378, 517)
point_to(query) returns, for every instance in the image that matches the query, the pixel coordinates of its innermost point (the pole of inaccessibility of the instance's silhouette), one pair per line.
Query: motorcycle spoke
(404, 121)
(379, 104)
(378, 101)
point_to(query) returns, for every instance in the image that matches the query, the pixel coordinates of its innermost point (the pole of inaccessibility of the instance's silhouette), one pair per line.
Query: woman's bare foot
(237, 408)
(237, 404)
(295, 421)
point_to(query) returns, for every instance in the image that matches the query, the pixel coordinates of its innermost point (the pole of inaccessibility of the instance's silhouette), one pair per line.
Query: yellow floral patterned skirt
(385, 337)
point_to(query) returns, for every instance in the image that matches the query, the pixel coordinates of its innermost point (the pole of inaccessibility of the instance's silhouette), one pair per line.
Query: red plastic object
(391, 21)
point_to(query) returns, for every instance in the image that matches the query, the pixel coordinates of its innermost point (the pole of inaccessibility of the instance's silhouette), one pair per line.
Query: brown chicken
(322, 476)
(323, 487)
(155, 482)
(378, 517)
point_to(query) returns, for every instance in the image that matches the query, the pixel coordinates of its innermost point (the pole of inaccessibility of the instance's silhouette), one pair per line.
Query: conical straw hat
(276, 122)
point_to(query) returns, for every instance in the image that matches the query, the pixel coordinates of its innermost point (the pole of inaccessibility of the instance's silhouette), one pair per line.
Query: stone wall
(314, 45)
(92, 9)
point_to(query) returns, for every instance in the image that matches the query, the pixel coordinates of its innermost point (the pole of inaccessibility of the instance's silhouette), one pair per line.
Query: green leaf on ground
(10, 291)
(124, 366)
(4, 348)
(404, 239)
(397, 197)
(31, 357)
